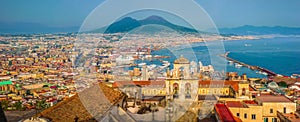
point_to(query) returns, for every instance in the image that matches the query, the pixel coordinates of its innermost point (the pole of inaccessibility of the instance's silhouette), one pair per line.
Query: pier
(269, 72)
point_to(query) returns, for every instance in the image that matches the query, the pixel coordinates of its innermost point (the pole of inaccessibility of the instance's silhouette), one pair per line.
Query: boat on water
(295, 76)
(237, 65)
(141, 64)
(264, 73)
(260, 72)
(166, 63)
(124, 60)
(248, 45)
(230, 62)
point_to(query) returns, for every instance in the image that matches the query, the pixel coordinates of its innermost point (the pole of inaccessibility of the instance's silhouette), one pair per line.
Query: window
(238, 114)
(187, 90)
(271, 110)
(253, 117)
(243, 91)
(284, 110)
(266, 119)
(245, 116)
(274, 119)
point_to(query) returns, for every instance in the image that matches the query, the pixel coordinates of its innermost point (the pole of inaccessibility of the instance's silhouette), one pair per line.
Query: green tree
(282, 84)
(41, 104)
(4, 104)
(18, 105)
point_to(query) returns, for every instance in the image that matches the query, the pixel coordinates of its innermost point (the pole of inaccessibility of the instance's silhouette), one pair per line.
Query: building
(183, 87)
(79, 106)
(223, 114)
(266, 108)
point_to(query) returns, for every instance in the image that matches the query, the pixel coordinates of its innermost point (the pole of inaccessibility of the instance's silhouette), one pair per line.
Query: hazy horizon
(70, 15)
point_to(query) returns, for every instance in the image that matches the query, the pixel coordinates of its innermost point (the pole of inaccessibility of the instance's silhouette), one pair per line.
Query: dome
(181, 60)
(273, 85)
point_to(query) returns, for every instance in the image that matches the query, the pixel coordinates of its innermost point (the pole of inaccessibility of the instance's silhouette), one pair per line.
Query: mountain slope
(128, 23)
(123, 25)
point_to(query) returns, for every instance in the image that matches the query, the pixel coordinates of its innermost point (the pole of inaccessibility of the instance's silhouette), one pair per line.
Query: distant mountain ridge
(261, 30)
(30, 28)
(126, 24)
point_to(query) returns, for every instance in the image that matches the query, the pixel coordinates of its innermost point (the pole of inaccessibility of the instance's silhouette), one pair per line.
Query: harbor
(238, 64)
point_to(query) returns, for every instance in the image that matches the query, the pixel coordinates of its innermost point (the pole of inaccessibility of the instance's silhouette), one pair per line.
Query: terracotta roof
(235, 104)
(250, 102)
(233, 84)
(78, 105)
(273, 98)
(292, 117)
(224, 113)
(237, 119)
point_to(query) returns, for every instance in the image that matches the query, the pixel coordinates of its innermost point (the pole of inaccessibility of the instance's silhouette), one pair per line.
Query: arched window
(187, 90)
(175, 90)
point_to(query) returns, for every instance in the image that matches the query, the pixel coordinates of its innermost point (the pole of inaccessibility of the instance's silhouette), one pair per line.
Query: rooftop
(235, 104)
(181, 60)
(77, 105)
(273, 98)
(293, 117)
(224, 113)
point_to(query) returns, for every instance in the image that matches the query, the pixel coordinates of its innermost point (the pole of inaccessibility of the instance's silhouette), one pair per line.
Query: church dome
(181, 60)
(273, 85)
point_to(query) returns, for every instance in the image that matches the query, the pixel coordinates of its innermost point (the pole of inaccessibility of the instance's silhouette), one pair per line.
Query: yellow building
(272, 104)
(246, 111)
(264, 109)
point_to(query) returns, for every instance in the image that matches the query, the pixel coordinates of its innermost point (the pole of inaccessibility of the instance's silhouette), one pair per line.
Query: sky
(224, 13)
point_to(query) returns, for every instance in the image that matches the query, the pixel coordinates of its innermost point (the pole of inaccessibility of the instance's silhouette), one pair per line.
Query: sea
(278, 54)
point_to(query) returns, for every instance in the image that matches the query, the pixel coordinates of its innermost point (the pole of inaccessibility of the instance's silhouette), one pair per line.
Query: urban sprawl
(56, 77)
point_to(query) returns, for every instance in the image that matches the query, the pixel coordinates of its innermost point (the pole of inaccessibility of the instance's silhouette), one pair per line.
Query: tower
(243, 88)
(182, 64)
(181, 87)
(145, 75)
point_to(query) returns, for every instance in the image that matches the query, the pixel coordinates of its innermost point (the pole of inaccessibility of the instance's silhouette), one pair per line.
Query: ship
(237, 65)
(141, 64)
(248, 45)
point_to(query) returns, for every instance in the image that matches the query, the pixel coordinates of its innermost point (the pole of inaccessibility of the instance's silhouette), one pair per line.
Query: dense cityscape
(144, 61)
(38, 75)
